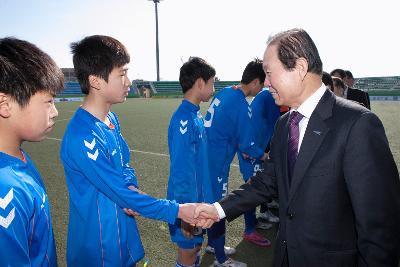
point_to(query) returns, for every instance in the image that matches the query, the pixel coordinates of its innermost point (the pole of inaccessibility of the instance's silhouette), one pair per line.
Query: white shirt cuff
(221, 212)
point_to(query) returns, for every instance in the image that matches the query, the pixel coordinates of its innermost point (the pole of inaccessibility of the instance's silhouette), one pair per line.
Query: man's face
(349, 81)
(257, 86)
(207, 90)
(284, 85)
(34, 121)
(117, 88)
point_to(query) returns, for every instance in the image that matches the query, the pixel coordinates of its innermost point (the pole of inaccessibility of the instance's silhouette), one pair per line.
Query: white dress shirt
(306, 109)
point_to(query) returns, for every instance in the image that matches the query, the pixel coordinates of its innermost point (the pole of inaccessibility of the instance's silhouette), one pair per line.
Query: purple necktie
(293, 143)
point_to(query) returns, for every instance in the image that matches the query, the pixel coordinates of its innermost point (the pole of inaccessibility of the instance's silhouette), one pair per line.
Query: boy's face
(208, 90)
(34, 121)
(256, 87)
(117, 88)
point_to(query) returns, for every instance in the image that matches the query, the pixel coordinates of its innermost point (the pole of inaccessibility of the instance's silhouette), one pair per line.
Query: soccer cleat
(273, 205)
(269, 216)
(230, 263)
(263, 225)
(228, 250)
(257, 239)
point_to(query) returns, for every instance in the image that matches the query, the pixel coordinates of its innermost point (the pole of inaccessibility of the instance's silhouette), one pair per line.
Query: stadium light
(157, 49)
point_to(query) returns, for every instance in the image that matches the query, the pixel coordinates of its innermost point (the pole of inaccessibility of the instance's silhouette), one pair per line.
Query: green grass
(384, 92)
(144, 126)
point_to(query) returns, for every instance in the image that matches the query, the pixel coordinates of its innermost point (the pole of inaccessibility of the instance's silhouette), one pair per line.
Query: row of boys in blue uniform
(103, 188)
(233, 126)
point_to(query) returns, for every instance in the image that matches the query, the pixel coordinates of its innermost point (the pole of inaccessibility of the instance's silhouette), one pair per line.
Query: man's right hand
(206, 215)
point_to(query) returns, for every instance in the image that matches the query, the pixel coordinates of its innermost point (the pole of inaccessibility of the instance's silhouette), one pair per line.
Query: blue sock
(250, 221)
(216, 239)
(219, 249)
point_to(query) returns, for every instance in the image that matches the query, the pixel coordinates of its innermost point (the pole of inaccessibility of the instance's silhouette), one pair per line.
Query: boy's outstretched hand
(206, 215)
(187, 213)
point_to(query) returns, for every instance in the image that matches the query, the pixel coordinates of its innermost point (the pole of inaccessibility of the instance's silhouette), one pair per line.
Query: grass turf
(144, 125)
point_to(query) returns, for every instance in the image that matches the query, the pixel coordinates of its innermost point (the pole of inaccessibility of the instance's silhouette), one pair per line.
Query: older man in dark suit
(330, 163)
(349, 81)
(352, 93)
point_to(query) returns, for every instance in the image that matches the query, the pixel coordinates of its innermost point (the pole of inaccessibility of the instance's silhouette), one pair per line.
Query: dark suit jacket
(343, 205)
(359, 96)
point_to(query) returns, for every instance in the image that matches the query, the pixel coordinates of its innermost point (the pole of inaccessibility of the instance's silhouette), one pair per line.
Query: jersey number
(224, 189)
(215, 103)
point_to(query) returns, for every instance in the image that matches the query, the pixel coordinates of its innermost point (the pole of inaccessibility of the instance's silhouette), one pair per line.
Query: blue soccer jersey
(264, 116)
(26, 232)
(229, 129)
(96, 163)
(189, 179)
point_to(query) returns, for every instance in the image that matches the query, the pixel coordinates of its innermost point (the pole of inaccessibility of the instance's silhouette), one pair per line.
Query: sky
(357, 35)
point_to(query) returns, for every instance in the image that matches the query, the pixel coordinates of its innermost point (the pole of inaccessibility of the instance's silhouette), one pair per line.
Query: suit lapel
(313, 138)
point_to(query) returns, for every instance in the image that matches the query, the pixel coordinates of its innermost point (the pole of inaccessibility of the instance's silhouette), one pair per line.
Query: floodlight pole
(157, 49)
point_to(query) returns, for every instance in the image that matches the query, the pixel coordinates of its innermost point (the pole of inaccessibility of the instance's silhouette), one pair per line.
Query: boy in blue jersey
(189, 179)
(29, 80)
(265, 113)
(103, 188)
(229, 129)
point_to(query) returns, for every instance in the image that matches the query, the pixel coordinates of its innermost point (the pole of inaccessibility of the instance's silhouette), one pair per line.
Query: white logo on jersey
(7, 199)
(5, 222)
(94, 155)
(114, 152)
(249, 112)
(91, 145)
(44, 201)
(219, 179)
(183, 123)
(183, 129)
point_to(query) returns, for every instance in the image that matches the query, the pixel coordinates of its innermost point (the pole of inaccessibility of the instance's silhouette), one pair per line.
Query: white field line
(139, 151)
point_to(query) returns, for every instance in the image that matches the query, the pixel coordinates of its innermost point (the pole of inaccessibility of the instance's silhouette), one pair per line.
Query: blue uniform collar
(87, 116)
(7, 159)
(190, 106)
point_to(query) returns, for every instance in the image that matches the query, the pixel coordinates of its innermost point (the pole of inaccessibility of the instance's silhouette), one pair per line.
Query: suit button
(284, 242)
(290, 216)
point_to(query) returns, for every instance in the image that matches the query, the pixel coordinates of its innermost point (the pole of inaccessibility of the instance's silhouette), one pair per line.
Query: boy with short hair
(102, 186)
(29, 80)
(265, 113)
(189, 179)
(229, 130)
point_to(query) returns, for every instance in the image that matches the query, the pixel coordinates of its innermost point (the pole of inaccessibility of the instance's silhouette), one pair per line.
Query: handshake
(198, 214)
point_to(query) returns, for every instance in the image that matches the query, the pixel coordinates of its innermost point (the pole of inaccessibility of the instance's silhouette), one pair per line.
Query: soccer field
(144, 124)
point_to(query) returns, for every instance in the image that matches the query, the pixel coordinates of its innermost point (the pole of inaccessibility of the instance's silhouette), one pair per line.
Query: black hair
(253, 70)
(97, 55)
(338, 82)
(294, 44)
(340, 72)
(26, 70)
(348, 74)
(192, 70)
(327, 79)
